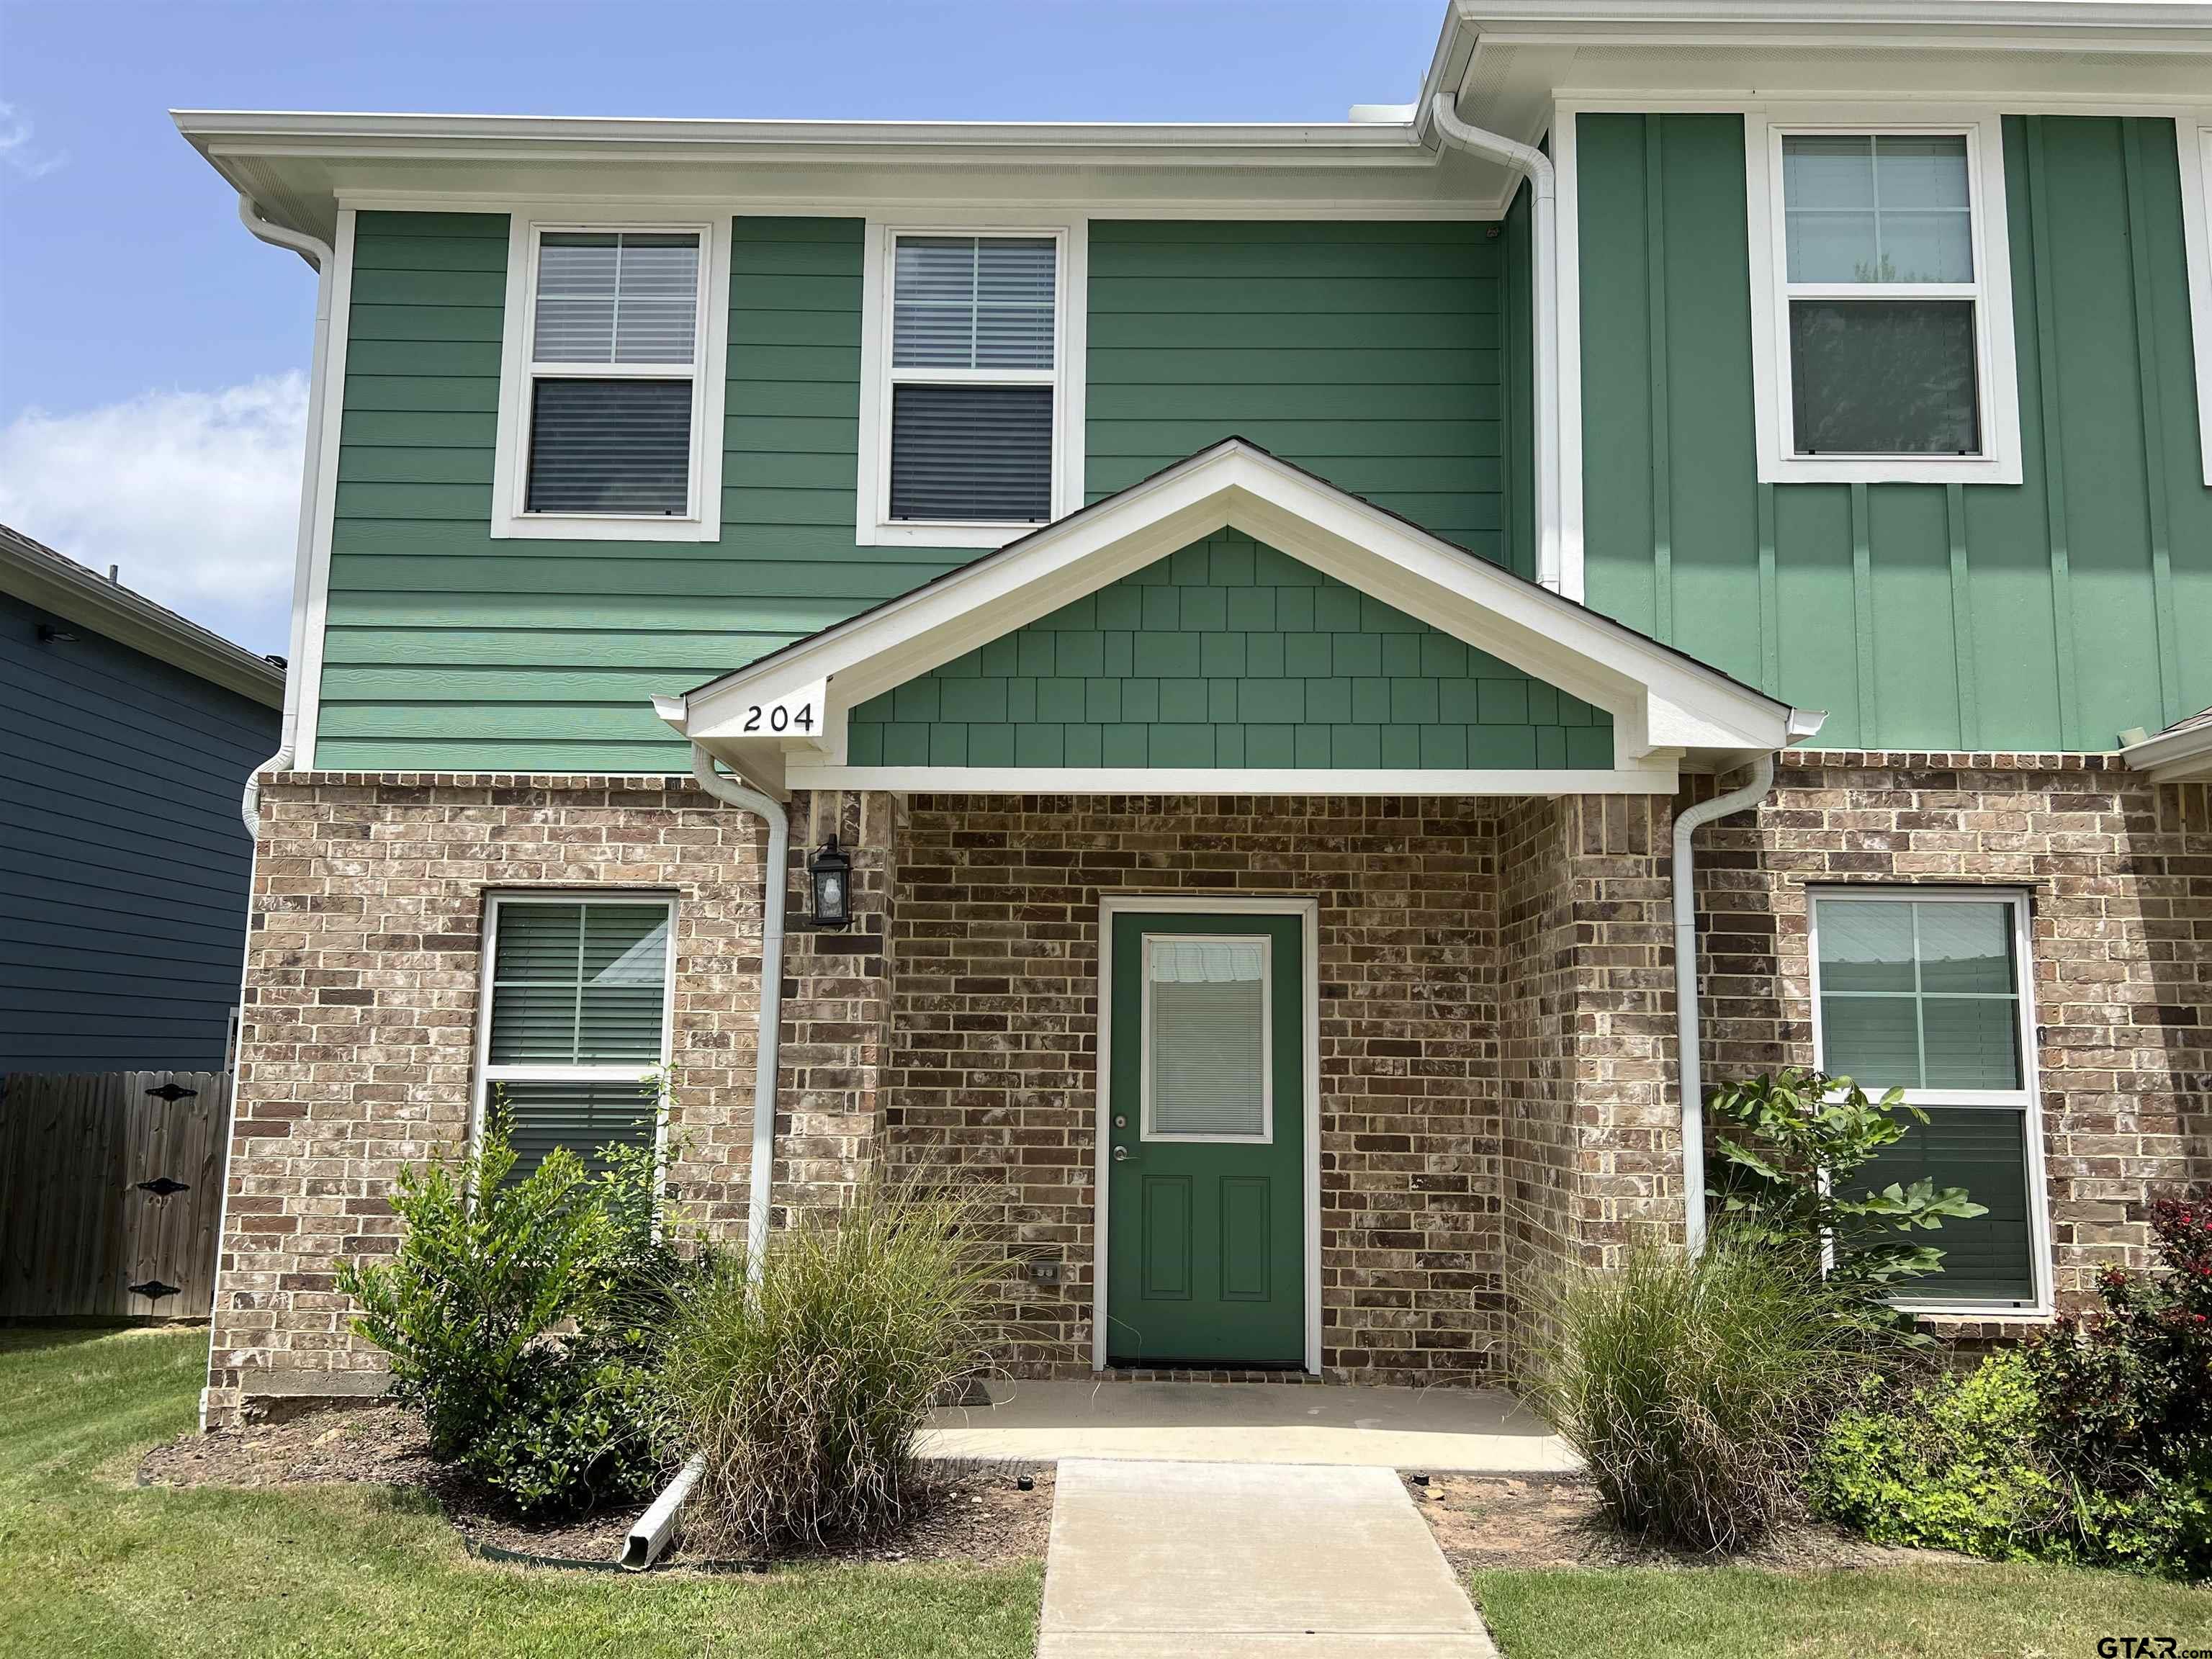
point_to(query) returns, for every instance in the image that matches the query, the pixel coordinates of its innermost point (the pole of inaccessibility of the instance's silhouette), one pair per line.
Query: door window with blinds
(1206, 1066)
(971, 384)
(610, 412)
(1929, 994)
(576, 1014)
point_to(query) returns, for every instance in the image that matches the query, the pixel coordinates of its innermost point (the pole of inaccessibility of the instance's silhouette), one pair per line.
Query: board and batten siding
(1230, 654)
(447, 650)
(123, 862)
(1370, 353)
(2055, 614)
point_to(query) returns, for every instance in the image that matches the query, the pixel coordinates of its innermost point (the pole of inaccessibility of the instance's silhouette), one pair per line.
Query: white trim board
(2192, 137)
(1664, 705)
(1657, 779)
(1308, 911)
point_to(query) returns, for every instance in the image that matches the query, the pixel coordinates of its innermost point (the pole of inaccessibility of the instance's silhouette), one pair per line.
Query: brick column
(835, 1072)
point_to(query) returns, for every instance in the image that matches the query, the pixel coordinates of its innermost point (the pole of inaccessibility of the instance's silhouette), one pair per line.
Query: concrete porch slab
(1173, 1560)
(1475, 1431)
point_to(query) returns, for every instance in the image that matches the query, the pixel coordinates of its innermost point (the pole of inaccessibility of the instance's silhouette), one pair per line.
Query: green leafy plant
(806, 1385)
(1951, 1463)
(1789, 1147)
(1697, 1388)
(522, 1316)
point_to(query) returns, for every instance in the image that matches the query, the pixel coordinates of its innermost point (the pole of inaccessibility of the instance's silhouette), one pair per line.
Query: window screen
(973, 366)
(1928, 995)
(1882, 291)
(619, 442)
(1207, 1022)
(579, 996)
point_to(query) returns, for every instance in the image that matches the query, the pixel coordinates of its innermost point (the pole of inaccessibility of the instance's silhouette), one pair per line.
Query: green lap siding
(1370, 353)
(450, 651)
(2054, 614)
(1229, 653)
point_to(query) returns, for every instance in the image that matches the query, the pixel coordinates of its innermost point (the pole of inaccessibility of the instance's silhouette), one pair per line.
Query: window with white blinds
(1206, 1050)
(576, 1015)
(1929, 992)
(972, 381)
(615, 328)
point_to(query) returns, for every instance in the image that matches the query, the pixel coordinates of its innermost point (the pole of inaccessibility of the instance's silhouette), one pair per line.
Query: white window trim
(1144, 1129)
(2192, 135)
(2025, 1100)
(873, 525)
(1995, 362)
(702, 520)
(488, 1074)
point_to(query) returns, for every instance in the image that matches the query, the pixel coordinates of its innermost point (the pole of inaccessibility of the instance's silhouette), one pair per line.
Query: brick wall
(359, 1036)
(2119, 874)
(995, 1016)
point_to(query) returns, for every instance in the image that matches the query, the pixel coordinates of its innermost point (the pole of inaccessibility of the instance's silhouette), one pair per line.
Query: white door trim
(1309, 913)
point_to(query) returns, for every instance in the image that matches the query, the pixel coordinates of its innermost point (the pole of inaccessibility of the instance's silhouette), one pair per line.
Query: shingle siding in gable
(122, 862)
(1370, 353)
(1228, 653)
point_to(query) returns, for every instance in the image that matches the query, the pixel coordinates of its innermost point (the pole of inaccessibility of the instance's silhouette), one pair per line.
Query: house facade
(1356, 668)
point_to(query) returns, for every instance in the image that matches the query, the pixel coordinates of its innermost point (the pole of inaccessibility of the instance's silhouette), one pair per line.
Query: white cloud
(16, 150)
(196, 494)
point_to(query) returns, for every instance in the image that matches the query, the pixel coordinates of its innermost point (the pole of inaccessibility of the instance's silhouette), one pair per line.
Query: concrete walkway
(1482, 1431)
(1183, 1560)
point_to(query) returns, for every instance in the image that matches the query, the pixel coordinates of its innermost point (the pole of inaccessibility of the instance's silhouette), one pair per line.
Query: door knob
(1120, 1154)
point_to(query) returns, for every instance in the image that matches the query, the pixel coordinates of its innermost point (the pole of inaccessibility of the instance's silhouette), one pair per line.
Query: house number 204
(779, 717)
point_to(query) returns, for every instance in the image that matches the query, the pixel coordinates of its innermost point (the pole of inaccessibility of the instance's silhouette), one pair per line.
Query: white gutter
(767, 1046)
(1535, 167)
(1686, 989)
(317, 252)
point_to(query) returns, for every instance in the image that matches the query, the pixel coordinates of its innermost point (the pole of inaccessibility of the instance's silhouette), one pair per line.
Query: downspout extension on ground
(1535, 167)
(319, 254)
(1686, 989)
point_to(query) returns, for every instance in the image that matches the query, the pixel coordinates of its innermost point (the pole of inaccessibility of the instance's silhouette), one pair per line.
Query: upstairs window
(971, 421)
(1885, 346)
(576, 1017)
(1927, 992)
(608, 410)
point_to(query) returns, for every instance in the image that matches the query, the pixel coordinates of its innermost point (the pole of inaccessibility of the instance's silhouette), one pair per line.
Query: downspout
(1535, 167)
(765, 1047)
(319, 254)
(1686, 989)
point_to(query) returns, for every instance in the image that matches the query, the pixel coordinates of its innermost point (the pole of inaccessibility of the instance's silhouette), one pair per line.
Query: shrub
(1788, 1146)
(1949, 1465)
(2127, 1404)
(806, 1386)
(1697, 1388)
(521, 1317)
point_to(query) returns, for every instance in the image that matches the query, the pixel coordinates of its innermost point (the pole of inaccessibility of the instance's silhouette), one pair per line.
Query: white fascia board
(2182, 757)
(1234, 781)
(1662, 703)
(2049, 25)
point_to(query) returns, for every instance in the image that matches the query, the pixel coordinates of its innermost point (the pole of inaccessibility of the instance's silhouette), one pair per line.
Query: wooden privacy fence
(111, 1190)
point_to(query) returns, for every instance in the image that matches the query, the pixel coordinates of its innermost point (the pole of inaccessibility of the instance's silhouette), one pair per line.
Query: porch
(1474, 1430)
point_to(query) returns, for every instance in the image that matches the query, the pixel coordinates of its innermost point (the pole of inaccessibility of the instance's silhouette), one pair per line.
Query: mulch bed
(977, 1512)
(1529, 1521)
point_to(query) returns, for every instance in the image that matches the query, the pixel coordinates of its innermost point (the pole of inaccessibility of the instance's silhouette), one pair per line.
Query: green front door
(1205, 1151)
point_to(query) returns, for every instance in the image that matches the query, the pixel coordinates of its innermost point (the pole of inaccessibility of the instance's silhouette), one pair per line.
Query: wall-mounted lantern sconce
(832, 874)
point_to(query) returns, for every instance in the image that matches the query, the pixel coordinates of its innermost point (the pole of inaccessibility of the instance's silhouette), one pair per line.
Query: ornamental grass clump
(1697, 1388)
(806, 1386)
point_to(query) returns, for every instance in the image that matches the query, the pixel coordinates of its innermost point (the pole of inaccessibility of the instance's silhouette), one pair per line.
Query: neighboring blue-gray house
(126, 735)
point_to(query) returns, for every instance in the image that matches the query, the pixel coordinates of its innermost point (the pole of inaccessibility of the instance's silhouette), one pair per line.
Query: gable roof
(1668, 708)
(52, 581)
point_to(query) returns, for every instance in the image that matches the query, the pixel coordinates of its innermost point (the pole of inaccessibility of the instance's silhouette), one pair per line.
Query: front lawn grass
(1937, 1611)
(96, 1566)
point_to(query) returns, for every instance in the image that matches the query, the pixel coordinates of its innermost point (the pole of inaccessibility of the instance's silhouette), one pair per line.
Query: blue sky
(152, 353)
